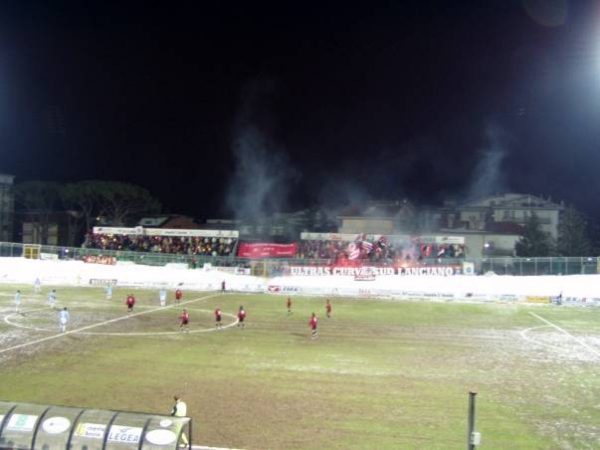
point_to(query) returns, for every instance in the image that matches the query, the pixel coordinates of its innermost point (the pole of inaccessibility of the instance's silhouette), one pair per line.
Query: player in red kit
(328, 309)
(218, 314)
(312, 323)
(130, 302)
(241, 317)
(289, 305)
(185, 321)
(178, 296)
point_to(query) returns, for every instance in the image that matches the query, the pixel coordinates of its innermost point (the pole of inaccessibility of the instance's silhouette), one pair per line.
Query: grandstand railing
(272, 267)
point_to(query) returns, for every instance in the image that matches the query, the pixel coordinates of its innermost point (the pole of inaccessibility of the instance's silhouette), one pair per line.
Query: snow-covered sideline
(583, 288)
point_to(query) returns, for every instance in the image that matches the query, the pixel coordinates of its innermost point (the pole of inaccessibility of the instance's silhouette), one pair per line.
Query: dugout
(47, 427)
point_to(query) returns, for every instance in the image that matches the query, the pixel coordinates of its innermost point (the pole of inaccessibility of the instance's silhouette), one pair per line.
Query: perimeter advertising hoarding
(366, 291)
(141, 231)
(25, 425)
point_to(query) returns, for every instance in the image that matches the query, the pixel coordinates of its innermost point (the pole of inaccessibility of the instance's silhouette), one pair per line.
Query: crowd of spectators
(328, 250)
(338, 252)
(188, 245)
(378, 252)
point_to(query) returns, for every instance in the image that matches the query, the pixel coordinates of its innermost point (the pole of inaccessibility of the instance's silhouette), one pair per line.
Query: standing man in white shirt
(52, 298)
(180, 410)
(37, 286)
(18, 302)
(63, 319)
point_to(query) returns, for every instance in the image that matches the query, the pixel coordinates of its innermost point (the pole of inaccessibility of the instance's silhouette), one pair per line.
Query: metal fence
(269, 267)
(539, 266)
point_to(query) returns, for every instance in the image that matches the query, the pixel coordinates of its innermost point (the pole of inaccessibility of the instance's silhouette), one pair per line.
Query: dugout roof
(47, 427)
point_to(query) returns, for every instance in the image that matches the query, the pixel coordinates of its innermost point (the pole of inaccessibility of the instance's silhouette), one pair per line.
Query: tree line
(573, 237)
(88, 203)
(85, 203)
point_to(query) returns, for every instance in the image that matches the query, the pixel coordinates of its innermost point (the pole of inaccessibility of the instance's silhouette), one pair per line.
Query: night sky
(231, 108)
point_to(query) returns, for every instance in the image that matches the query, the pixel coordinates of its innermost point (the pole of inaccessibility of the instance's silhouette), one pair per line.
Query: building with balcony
(510, 208)
(490, 226)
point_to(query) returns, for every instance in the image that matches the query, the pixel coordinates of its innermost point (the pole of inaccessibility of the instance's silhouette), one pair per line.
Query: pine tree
(572, 234)
(534, 242)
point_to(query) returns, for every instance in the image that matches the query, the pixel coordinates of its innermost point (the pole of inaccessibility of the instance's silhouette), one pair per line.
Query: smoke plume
(488, 176)
(261, 173)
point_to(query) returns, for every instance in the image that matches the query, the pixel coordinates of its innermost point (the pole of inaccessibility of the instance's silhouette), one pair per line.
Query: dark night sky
(263, 107)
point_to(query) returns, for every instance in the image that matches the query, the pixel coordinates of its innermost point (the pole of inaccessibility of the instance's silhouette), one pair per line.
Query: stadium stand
(326, 248)
(189, 242)
(349, 249)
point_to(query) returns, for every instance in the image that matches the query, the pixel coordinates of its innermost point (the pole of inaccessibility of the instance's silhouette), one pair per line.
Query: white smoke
(488, 176)
(261, 173)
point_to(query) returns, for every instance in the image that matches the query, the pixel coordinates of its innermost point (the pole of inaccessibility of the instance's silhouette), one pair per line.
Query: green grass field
(381, 375)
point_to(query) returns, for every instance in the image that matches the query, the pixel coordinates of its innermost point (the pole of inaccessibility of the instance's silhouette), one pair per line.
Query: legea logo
(56, 425)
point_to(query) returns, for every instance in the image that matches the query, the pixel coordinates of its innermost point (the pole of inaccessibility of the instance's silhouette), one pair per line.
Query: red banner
(265, 250)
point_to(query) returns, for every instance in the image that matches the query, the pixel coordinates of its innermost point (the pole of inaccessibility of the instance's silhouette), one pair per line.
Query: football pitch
(381, 375)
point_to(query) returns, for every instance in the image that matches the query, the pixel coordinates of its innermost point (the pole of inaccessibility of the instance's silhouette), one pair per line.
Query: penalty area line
(94, 325)
(565, 332)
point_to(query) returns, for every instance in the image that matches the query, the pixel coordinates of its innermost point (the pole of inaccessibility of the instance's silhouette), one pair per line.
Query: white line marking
(8, 320)
(525, 335)
(23, 314)
(88, 327)
(579, 341)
